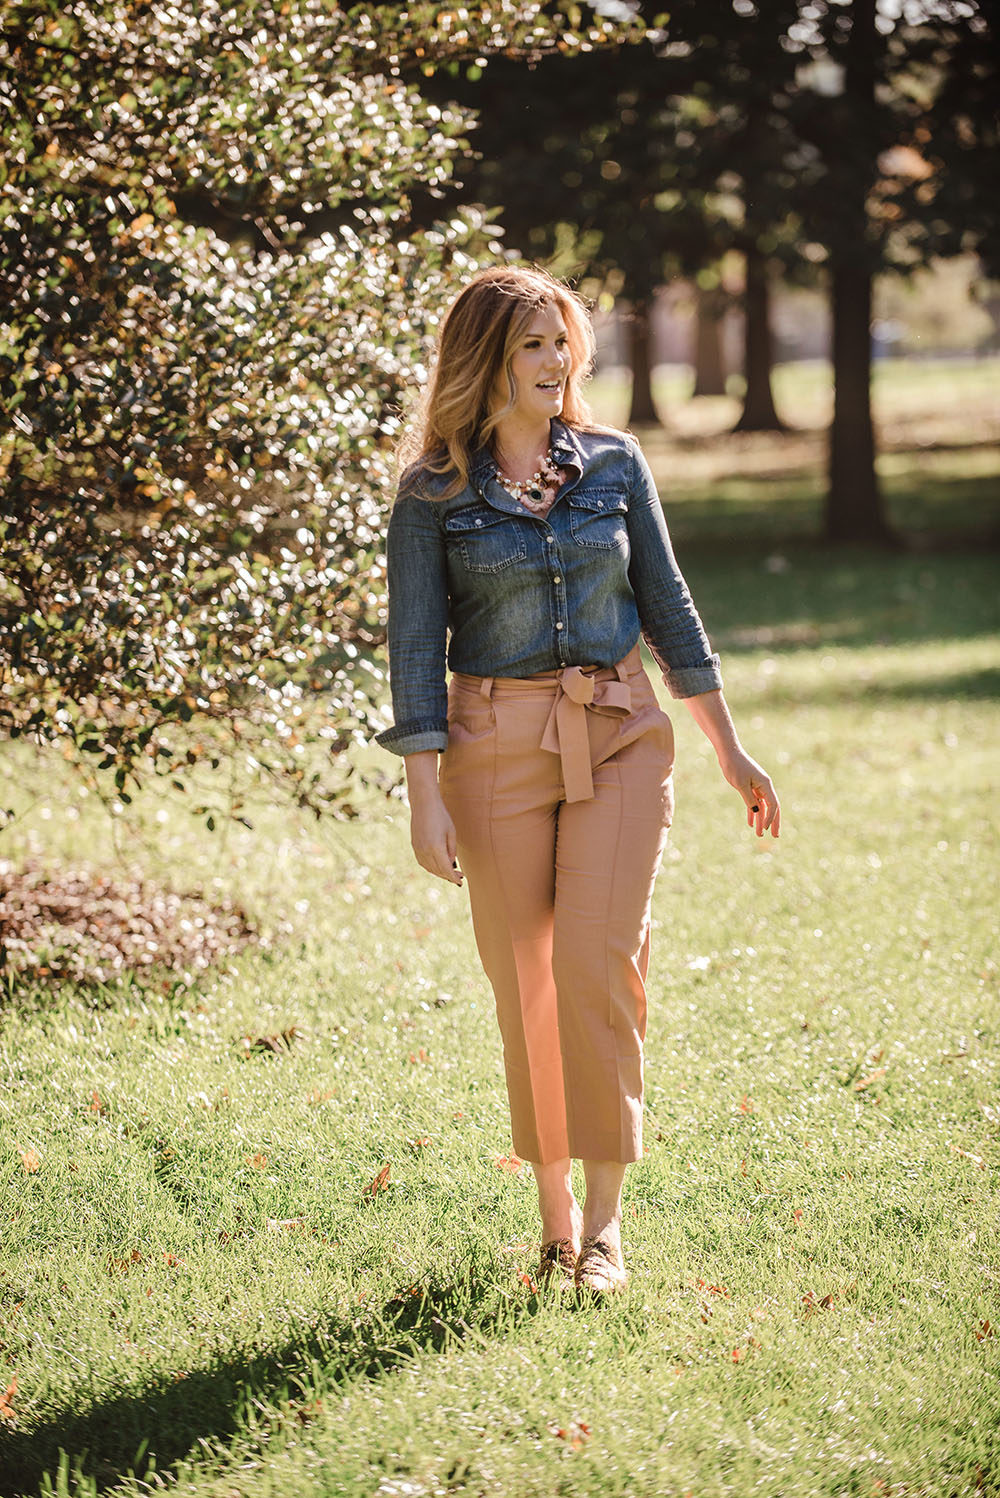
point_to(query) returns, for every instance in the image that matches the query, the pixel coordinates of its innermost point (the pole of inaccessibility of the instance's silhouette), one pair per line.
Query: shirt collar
(566, 449)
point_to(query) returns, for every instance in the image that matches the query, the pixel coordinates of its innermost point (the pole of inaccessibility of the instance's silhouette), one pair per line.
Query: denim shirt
(521, 594)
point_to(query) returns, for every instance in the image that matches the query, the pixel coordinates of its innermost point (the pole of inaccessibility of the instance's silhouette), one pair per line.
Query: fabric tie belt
(578, 690)
(566, 729)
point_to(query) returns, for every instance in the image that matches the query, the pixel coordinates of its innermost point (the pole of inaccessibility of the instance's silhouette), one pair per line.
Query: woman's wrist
(422, 775)
(711, 713)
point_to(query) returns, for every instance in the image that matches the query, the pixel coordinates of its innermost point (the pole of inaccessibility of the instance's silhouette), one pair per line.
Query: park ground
(263, 1234)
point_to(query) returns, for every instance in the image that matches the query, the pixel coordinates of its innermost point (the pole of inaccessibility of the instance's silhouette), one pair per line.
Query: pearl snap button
(551, 540)
(559, 624)
(479, 522)
(557, 578)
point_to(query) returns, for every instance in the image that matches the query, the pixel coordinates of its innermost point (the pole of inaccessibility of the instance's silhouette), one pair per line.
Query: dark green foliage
(220, 265)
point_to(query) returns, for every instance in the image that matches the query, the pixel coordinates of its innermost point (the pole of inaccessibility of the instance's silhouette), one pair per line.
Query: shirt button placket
(550, 540)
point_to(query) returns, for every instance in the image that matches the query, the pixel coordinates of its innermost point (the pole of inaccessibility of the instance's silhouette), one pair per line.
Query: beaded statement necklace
(538, 492)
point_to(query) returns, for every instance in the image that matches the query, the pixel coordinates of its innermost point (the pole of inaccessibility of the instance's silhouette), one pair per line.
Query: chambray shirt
(520, 594)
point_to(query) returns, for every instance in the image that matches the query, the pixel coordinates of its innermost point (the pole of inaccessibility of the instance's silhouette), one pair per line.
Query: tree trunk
(642, 409)
(854, 508)
(854, 505)
(758, 413)
(709, 375)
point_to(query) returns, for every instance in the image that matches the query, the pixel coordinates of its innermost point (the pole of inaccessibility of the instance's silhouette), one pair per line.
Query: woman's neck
(521, 448)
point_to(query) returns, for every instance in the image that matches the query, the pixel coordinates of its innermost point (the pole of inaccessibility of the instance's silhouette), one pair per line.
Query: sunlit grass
(938, 453)
(198, 1274)
(803, 393)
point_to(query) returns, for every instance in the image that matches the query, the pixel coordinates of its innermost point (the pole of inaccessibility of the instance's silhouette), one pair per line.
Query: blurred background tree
(824, 142)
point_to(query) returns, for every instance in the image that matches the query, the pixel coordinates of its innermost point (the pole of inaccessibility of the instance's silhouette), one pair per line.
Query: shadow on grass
(927, 511)
(761, 597)
(158, 1425)
(941, 687)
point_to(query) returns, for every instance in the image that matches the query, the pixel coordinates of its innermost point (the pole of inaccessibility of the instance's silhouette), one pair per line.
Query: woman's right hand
(432, 832)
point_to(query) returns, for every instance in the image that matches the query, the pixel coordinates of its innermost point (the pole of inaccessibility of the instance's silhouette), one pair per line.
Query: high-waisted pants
(561, 792)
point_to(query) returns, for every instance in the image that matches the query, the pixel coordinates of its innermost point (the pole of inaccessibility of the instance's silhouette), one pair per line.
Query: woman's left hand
(754, 785)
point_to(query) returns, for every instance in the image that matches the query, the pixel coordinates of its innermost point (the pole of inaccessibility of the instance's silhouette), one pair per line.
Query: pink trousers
(561, 792)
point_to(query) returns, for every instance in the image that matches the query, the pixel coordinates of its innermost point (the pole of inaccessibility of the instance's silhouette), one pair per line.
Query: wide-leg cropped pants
(560, 787)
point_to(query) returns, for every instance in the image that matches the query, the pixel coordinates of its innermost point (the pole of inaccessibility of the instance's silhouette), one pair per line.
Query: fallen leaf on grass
(526, 1279)
(275, 1224)
(712, 1289)
(874, 1076)
(984, 1330)
(311, 1410)
(123, 1265)
(746, 1106)
(7, 1402)
(968, 1155)
(419, 1144)
(420, 1055)
(379, 1183)
(257, 1161)
(277, 1044)
(813, 1304)
(510, 1164)
(575, 1434)
(30, 1161)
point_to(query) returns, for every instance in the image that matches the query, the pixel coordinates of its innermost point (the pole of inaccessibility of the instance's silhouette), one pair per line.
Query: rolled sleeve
(418, 628)
(670, 623)
(412, 739)
(691, 681)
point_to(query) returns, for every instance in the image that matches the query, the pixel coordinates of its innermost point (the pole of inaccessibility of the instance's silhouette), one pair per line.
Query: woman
(537, 540)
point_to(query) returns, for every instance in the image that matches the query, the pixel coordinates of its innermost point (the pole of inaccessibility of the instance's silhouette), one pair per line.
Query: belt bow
(566, 728)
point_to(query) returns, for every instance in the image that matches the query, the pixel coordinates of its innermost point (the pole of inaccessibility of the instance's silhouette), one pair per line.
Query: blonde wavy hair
(481, 332)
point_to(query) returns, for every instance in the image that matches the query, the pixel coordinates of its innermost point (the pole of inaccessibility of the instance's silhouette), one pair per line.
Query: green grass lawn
(200, 1289)
(909, 390)
(937, 427)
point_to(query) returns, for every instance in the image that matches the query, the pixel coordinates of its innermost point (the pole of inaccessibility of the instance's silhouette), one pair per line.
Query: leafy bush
(221, 257)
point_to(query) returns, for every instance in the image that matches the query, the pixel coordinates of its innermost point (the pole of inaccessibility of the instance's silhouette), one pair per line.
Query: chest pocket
(597, 517)
(487, 540)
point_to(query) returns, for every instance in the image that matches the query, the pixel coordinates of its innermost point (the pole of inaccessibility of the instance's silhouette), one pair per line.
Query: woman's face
(540, 368)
